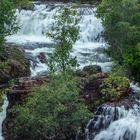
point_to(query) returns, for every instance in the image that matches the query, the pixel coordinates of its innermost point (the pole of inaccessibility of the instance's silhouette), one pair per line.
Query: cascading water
(126, 126)
(35, 23)
(116, 122)
(3, 115)
(109, 123)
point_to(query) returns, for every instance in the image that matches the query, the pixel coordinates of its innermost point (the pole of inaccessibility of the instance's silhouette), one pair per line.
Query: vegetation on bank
(12, 60)
(13, 64)
(121, 21)
(7, 20)
(114, 88)
(57, 110)
(53, 111)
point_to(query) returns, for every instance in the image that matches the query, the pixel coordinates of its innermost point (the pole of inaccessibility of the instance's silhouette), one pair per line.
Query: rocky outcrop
(13, 64)
(23, 86)
(89, 70)
(98, 87)
(42, 57)
(16, 96)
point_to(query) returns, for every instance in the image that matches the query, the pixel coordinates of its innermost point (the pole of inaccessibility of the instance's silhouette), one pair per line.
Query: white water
(116, 123)
(3, 115)
(126, 128)
(34, 24)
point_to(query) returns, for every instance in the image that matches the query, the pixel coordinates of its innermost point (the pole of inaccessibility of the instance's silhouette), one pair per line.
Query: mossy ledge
(13, 63)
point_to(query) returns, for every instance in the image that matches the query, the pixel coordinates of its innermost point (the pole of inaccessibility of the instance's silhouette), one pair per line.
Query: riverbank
(91, 78)
(13, 64)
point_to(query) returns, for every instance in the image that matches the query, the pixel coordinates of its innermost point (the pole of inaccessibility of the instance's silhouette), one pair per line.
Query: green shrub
(132, 59)
(114, 87)
(53, 111)
(121, 21)
(8, 23)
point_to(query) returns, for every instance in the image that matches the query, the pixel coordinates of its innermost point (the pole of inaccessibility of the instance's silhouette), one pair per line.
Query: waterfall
(126, 127)
(35, 23)
(109, 123)
(113, 122)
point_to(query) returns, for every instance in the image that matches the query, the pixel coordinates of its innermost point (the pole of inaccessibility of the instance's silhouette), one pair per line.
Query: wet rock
(42, 57)
(90, 89)
(98, 87)
(32, 59)
(89, 70)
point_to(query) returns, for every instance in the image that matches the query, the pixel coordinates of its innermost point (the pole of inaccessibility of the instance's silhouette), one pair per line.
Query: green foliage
(8, 24)
(65, 32)
(7, 19)
(23, 4)
(2, 92)
(53, 111)
(89, 1)
(121, 21)
(114, 87)
(132, 59)
(118, 70)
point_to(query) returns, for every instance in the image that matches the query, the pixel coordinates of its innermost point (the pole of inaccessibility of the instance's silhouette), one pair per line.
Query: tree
(121, 21)
(64, 32)
(8, 23)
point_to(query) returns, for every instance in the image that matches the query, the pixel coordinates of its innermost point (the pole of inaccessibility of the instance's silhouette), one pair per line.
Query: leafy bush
(7, 19)
(121, 21)
(53, 111)
(132, 59)
(114, 87)
(22, 3)
(8, 24)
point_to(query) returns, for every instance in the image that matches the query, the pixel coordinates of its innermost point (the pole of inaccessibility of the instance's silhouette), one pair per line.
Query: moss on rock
(13, 63)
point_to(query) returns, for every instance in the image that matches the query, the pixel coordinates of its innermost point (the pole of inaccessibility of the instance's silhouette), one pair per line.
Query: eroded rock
(23, 86)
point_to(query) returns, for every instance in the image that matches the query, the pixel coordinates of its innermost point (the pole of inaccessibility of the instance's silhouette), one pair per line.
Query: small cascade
(3, 115)
(116, 121)
(34, 24)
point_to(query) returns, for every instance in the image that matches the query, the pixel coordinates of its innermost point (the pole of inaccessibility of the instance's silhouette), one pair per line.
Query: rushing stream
(34, 24)
(3, 115)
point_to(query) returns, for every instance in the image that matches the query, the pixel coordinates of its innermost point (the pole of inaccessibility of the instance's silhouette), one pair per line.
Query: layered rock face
(24, 85)
(13, 64)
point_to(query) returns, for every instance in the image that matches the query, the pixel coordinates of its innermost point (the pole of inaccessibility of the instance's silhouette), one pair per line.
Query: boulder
(89, 70)
(98, 87)
(42, 57)
(90, 89)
